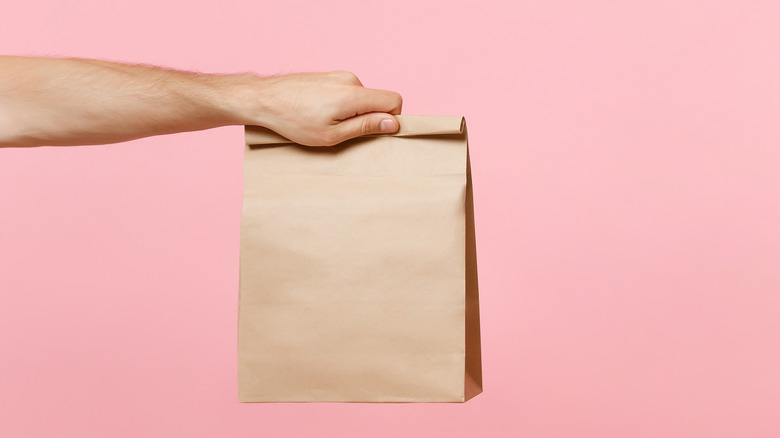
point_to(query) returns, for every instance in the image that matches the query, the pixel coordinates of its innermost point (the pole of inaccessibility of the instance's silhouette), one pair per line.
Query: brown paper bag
(358, 277)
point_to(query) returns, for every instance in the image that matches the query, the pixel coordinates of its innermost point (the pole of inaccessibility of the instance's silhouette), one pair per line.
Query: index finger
(370, 100)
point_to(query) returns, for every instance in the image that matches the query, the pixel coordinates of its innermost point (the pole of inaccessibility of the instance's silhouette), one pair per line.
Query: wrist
(243, 99)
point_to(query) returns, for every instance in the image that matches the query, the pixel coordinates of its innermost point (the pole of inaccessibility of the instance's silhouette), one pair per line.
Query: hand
(319, 109)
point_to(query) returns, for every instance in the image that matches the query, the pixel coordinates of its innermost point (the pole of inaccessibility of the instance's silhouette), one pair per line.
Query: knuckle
(366, 127)
(347, 76)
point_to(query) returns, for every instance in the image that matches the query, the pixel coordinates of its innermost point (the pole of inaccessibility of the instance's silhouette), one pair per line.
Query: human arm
(54, 101)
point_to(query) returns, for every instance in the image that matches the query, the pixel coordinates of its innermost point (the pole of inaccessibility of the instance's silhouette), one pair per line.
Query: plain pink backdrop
(626, 161)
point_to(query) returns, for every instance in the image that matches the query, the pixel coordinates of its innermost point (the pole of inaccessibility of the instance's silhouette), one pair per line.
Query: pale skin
(63, 102)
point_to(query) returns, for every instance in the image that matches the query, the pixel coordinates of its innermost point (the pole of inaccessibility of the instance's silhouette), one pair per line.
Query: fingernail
(387, 125)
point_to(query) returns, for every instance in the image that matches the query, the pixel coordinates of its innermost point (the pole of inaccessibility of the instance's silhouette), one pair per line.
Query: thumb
(367, 124)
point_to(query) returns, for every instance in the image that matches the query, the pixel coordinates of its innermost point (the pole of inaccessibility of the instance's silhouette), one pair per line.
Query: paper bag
(358, 277)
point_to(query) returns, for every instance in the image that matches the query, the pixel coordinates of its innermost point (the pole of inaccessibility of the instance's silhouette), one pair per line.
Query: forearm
(79, 101)
(49, 101)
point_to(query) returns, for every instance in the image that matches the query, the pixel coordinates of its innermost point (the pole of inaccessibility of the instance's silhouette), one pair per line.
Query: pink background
(627, 185)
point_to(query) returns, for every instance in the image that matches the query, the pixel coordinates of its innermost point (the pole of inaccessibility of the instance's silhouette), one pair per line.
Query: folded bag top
(358, 277)
(423, 145)
(409, 126)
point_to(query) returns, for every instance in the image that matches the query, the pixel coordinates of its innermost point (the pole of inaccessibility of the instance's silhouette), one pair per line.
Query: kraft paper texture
(358, 277)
